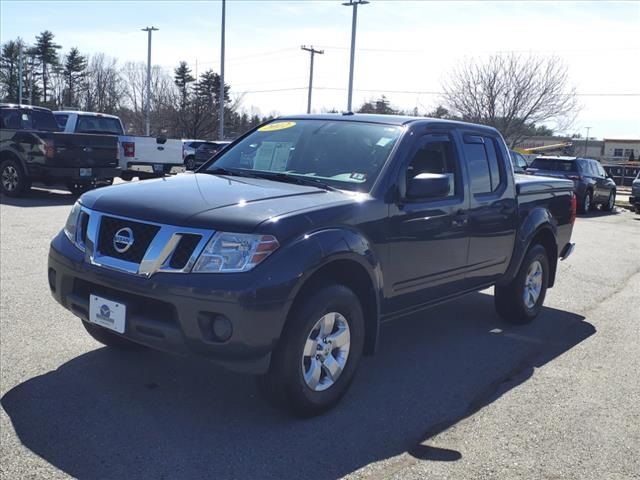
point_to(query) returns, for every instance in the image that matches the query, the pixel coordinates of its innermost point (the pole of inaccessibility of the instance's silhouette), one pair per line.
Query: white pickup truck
(138, 155)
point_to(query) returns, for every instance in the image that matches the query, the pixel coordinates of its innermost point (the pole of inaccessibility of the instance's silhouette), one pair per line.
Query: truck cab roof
(398, 120)
(80, 112)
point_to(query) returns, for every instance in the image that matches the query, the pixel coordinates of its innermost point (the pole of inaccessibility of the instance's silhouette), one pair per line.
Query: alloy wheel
(532, 284)
(10, 178)
(326, 351)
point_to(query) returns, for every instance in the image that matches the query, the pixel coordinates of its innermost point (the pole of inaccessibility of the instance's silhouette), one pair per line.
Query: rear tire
(324, 333)
(521, 301)
(190, 163)
(13, 180)
(610, 203)
(110, 339)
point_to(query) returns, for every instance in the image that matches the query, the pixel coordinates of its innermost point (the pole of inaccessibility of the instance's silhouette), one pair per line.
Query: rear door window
(10, 118)
(482, 161)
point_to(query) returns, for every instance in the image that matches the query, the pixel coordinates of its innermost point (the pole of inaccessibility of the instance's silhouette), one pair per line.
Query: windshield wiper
(299, 180)
(230, 173)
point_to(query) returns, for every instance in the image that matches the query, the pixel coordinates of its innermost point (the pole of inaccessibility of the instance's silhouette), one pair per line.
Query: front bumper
(174, 312)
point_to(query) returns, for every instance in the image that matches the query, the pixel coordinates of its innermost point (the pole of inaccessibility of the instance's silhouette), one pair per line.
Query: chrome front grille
(155, 248)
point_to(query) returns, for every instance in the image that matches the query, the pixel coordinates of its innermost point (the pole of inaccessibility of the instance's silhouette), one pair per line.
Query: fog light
(222, 328)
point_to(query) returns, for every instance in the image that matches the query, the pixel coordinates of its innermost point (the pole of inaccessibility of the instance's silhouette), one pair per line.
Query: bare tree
(103, 86)
(164, 98)
(512, 93)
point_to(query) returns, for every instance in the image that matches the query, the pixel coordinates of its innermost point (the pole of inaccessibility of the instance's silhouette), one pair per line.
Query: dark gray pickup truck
(284, 253)
(33, 150)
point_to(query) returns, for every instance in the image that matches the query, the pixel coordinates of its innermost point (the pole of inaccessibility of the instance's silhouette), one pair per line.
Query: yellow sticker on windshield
(273, 127)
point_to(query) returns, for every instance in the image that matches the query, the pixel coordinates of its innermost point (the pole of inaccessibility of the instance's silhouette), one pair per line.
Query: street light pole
(354, 21)
(147, 107)
(20, 75)
(586, 141)
(312, 51)
(221, 94)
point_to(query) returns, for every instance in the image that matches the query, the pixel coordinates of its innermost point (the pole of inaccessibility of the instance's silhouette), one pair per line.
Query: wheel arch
(538, 227)
(348, 271)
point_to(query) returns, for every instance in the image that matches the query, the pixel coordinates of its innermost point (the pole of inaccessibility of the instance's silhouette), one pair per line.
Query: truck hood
(209, 201)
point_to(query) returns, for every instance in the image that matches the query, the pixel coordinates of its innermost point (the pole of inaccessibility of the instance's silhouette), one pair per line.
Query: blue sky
(405, 48)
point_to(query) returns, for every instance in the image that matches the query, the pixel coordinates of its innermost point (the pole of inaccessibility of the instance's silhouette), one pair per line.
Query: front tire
(521, 301)
(110, 339)
(13, 180)
(318, 353)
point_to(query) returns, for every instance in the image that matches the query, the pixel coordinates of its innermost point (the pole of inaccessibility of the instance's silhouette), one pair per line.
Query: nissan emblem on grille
(123, 240)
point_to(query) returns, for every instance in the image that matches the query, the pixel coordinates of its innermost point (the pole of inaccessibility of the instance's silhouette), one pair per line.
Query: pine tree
(75, 66)
(47, 54)
(182, 79)
(9, 61)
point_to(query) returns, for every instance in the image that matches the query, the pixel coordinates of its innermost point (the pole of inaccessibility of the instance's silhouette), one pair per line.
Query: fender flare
(538, 220)
(346, 244)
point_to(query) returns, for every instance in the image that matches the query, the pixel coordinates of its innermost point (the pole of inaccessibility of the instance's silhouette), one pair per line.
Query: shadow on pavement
(40, 198)
(107, 414)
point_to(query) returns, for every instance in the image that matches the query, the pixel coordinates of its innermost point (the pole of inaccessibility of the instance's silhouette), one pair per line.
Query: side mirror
(428, 185)
(161, 140)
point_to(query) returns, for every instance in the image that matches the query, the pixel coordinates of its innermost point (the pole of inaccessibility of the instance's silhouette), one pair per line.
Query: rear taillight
(129, 149)
(574, 208)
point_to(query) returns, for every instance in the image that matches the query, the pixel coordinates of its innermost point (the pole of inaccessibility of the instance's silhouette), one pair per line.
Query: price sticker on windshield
(274, 127)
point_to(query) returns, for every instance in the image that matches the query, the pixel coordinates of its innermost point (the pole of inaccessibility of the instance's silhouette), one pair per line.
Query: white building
(620, 150)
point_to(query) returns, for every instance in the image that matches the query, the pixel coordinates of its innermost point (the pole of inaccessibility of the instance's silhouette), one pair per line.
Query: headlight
(71, 227)
(235, 252)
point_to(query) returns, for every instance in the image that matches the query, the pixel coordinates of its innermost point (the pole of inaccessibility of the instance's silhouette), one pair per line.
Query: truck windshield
(95, 124)
(555, 164)
(342, 154)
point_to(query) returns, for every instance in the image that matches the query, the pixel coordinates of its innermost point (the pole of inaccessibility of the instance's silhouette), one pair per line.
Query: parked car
(591, 183)
(634, 199)
(189, 148)
(138, 155)
(33, 150)
(288, 250)
(520, 164)
(207, 150)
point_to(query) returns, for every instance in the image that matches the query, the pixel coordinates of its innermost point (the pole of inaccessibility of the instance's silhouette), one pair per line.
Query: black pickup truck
(284, 253)
(33, 150)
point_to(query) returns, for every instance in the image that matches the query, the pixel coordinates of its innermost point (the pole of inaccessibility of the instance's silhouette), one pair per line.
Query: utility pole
(20, 74)
(312, 51)
(586, 141)
(221, 94)
(147, 106)
(354, 21)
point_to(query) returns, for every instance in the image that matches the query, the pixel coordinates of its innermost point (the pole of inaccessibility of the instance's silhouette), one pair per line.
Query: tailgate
(85, 150)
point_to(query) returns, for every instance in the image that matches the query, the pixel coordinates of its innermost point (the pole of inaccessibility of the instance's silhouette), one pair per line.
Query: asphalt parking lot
(452, 393)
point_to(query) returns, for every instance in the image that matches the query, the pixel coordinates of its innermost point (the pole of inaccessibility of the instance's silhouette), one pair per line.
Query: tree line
(520, 95)
(181, 105)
